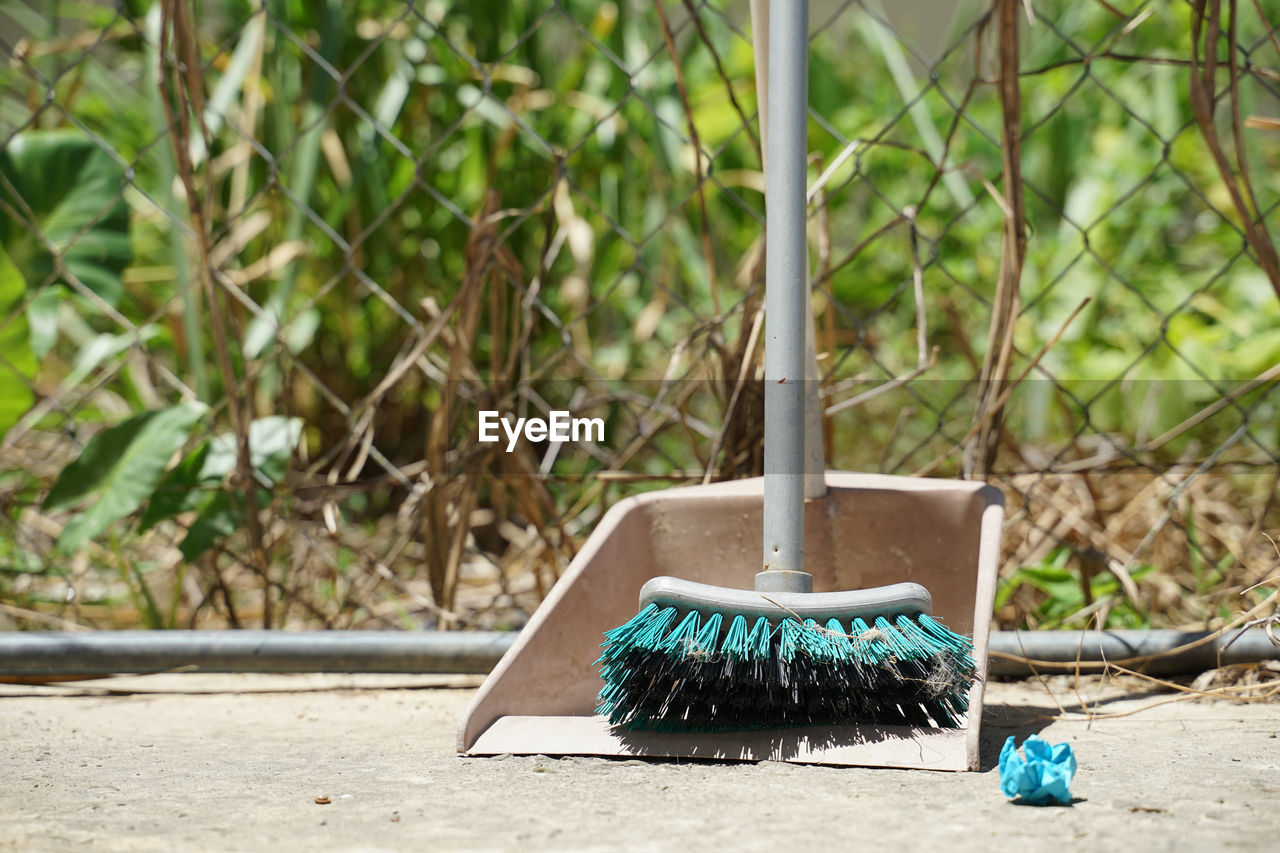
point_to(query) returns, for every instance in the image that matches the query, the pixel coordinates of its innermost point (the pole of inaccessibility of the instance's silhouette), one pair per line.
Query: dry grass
(395, 517)
(1204, 531)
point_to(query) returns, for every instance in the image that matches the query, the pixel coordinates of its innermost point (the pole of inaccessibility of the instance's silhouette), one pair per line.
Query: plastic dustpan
(867, 530)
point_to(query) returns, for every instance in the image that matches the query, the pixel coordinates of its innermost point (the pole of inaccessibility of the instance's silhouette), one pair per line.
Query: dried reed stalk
(980, 453)
(182, 93)
(1206, 18)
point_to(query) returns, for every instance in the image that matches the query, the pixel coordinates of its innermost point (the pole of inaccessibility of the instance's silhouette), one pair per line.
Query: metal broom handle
(786, 272)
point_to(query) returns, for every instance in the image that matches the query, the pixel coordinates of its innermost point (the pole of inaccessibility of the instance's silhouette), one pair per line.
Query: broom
(705, 658)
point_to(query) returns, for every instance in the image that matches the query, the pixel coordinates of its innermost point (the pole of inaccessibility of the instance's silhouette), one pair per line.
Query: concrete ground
(216, 762)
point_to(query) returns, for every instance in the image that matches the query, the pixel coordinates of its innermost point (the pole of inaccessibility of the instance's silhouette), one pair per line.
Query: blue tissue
(1042, 777)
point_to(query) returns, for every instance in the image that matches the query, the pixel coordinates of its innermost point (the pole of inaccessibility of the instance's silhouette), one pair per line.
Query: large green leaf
(119, 468)
(183, 487)
(271, 443)
(17, 361)
(219, 517)
(59, 189)
(99, 348)
(188, 486)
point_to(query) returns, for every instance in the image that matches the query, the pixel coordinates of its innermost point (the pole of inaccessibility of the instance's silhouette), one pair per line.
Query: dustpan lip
(844, 480)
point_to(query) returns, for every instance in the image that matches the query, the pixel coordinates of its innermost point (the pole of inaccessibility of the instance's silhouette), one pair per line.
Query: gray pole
(1091, 650)
(52, 653)
(106, 652)
(786, 266)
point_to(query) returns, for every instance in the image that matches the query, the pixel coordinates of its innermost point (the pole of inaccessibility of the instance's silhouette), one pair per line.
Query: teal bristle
(788, 639)
(707, 643)
(668, 671)
(679, 642)
(870, 649)
(735, 640)
(842, 649)
(760, 638)
(815, 642)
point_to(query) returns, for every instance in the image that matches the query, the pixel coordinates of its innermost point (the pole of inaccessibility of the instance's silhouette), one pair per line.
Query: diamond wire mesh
(414, 211)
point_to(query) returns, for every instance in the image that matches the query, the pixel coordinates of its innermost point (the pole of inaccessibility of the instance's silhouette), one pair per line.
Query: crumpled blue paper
(1043, 777)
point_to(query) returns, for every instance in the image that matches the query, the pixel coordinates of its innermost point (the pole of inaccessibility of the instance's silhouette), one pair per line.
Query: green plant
(17, 360)
(1061, 596)
(63, 219)
(118, 470)
(68, 196)
(198, 483)
(518, 179)
(126, 466)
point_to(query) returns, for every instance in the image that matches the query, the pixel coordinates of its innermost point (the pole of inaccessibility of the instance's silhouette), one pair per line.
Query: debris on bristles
(667, 673)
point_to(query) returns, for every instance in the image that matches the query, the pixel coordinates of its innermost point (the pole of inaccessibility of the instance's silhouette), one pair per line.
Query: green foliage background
(356, 148)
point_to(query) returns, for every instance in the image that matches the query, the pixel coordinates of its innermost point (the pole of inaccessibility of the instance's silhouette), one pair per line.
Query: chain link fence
(266, 262)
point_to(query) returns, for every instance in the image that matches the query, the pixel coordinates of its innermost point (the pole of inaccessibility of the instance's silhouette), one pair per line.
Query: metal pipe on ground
(114, 652)
(110, 652)
(1160, 652)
